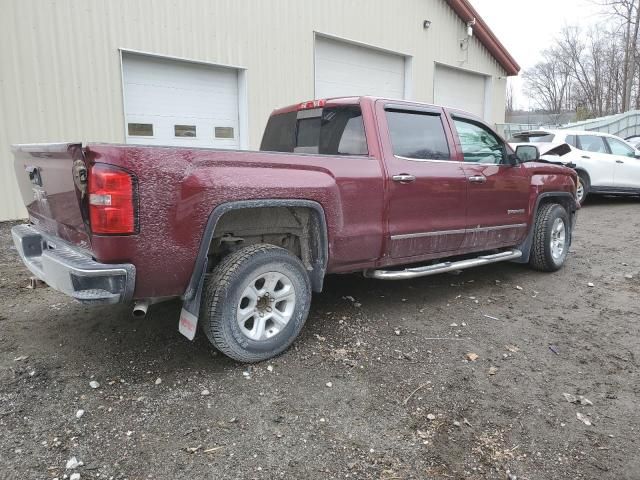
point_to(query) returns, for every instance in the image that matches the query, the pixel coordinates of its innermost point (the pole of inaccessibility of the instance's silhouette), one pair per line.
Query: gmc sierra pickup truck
(390, 188)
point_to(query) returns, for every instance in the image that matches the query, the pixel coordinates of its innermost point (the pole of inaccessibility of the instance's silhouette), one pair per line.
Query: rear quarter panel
(180, 187)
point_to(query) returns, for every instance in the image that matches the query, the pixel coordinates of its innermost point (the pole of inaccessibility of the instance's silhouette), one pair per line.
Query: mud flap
(190, 312)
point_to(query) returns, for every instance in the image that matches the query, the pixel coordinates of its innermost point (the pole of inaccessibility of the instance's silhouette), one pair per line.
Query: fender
(320, 247)
(525, 247)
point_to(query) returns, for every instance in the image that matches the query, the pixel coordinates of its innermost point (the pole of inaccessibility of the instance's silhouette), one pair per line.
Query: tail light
(113, 201)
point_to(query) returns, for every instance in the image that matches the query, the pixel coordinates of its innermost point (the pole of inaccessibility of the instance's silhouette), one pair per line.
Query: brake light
(312, 104)
(113, 196)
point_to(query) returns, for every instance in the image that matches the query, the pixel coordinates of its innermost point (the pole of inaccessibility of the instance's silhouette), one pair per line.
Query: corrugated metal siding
(60, 73)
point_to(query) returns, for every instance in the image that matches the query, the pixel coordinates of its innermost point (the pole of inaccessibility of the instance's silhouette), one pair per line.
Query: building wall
(60, 73)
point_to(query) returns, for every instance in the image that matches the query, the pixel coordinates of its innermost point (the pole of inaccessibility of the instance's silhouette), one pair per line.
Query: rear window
(325, 131)
(533, 138)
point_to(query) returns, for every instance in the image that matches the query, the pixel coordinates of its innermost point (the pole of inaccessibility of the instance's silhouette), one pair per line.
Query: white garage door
(460, 89)
(345, 69)
(171, 102)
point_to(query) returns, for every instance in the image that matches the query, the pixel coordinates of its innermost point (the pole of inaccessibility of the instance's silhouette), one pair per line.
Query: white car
(605, 163)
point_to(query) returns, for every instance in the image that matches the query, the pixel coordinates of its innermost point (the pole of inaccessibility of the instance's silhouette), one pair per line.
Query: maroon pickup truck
(390, 188)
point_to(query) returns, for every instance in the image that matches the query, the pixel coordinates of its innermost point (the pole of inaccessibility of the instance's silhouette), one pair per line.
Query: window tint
(620, 148)
(328, 131)
(279, 134)
(308, 135)
(479, 144)
(571, 140)
(592, 143)
(417, 135)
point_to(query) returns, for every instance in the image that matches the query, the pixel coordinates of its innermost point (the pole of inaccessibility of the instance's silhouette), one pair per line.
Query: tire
(255, 302)
(550, 238)
(583, 181)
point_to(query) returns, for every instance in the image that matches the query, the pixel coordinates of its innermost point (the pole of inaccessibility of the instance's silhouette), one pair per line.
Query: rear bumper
(70, 271)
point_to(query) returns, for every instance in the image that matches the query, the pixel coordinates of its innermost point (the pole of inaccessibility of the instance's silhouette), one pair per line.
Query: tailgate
(52, 179)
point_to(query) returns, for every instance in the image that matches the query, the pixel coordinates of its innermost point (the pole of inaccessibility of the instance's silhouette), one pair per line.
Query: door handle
(478, 179)
(586, 156)
(404, 178)
(619, 161)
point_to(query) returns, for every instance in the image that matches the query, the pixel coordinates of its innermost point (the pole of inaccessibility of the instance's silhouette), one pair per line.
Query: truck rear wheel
(255, 302)
(550, 238)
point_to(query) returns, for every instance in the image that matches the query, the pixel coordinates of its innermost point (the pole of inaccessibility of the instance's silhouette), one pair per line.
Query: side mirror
(527, 153)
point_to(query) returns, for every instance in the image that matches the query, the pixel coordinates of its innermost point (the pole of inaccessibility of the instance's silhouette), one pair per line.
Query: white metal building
(209, 72)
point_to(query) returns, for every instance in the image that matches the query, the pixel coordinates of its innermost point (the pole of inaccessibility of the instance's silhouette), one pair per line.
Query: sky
(526, 28)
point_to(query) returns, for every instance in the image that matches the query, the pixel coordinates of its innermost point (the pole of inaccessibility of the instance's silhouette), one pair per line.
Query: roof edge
(481, 30)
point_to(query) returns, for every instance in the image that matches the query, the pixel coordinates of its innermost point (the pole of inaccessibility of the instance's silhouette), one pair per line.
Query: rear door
(595, 157)
(427, 188)
(626, 172)
(498, 192)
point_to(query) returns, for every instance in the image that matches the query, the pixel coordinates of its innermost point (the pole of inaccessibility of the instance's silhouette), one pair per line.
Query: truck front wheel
(255, 302)
(551, 237)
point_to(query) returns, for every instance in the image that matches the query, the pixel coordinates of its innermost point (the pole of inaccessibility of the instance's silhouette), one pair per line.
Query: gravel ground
(379, 385)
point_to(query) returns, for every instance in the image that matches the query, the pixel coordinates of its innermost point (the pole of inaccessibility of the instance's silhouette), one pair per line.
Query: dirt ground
(378, 386)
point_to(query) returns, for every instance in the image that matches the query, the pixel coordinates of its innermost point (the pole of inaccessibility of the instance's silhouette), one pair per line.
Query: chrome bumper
(71, 271)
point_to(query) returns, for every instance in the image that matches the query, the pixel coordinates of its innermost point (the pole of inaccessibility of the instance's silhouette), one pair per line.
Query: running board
(442, 267)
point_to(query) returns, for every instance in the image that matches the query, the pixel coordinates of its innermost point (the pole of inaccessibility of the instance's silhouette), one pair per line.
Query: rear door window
(592, 143)
(325, 131)
(417, 135)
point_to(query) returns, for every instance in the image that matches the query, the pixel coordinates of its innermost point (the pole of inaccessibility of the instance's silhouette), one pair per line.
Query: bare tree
(594, 71)
(627, 14)
(548, 80)
(509, 104)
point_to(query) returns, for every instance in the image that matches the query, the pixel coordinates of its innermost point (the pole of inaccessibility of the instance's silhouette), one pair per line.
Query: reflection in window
(618, 147)
(417, 135)
(328, 131)
(224, 132)
(140, 129)
(185, 130)
(478, 143)
(592, 143)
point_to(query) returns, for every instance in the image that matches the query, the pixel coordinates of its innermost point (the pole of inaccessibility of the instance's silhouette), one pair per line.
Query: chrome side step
(442, 267)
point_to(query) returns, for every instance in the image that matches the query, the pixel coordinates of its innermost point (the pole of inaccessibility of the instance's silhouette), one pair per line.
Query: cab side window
(592, 143)
(479, 144)
(620, 148)
(417, 135)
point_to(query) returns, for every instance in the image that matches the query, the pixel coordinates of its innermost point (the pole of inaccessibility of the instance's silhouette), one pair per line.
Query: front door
(626, 172)
(427, 188)
(498, 191)
(595, 156)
